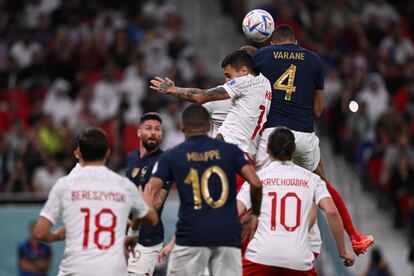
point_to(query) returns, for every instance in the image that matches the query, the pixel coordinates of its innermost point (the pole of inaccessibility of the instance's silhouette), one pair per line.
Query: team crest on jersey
(143, 171)
(231, 82)
(134, 172)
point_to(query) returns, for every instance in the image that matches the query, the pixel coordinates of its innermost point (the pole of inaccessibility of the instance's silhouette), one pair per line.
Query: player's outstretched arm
(194, 95)
(337, 229)
(42, 231)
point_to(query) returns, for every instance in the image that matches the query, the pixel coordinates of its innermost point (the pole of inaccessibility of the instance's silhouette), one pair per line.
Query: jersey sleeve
(236, 88)
(244, 195)
(52, 210)
(240, 159)
(321, 191)
(163, 168)
(139, 207)
(209, 106)
(320, 77)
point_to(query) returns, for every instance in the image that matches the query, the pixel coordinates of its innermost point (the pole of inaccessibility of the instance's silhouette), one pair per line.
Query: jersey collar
(282, 163)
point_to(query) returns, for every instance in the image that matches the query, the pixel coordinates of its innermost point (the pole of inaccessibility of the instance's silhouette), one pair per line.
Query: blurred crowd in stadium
(69, 64)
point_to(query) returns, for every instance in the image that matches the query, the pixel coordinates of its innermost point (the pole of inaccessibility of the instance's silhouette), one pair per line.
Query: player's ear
(182, 126)
(244, 70)
(296, 42)
(139, 133)
(107, 154)
(77, 153)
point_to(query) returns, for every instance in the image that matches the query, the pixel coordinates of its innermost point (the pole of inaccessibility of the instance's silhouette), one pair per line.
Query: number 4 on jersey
(289, 88)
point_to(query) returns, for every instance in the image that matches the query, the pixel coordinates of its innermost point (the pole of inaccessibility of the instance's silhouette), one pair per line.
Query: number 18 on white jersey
(94, 204)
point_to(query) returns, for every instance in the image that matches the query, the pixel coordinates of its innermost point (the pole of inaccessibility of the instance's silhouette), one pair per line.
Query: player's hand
(129, 245)
(60, 233)
(161, 85)
(348, 258)
(249, 223)
(164, 252)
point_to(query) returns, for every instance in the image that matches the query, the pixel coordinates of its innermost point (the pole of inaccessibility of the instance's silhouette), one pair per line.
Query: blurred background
(69, 64)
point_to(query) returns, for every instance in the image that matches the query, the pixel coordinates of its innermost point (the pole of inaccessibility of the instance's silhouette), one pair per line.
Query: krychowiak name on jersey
(288, 194)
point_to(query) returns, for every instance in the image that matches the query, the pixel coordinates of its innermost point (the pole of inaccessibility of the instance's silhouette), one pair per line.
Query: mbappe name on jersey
(203, 156)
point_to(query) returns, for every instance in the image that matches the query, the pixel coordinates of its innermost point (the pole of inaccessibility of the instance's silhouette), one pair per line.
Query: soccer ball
(258, 25)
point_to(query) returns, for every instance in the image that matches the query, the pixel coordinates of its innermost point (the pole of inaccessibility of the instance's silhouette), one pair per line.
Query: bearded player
(140, 163)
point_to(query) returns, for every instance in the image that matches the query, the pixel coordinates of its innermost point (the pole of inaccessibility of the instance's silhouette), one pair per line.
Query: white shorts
(145, 259)
(193, 261)
(307, 153)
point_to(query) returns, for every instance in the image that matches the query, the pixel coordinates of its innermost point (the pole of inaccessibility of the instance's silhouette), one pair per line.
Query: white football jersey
(282, 235)
(250, 102)
(218, 111)
(94, 203)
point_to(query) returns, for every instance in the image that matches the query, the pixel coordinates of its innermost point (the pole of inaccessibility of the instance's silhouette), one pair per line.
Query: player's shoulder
(307, 174)
(132, 155)
(311, 54)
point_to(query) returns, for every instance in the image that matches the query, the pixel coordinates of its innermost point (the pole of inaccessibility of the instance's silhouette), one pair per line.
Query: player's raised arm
(194, 95)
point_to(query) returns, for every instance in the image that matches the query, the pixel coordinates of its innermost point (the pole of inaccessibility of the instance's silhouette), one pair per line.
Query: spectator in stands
(58, 104)
(378, 265)
(375, 95)
(18, 181)
(395, 152)
(402, 184)
(34, 257)
(106, 96)
(23, 50)
(45, 176)
(49, 137)
(380, 9)
(396, 48)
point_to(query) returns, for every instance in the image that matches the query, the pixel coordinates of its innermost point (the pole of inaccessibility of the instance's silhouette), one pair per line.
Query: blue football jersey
(139, 171)
(204, 170)
(295, 73)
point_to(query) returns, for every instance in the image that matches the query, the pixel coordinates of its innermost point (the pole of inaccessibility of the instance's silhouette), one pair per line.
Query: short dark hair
(150, 116)
(93, 144)
(281, 144)
(283, 32)
(237, 59)
(196, 117)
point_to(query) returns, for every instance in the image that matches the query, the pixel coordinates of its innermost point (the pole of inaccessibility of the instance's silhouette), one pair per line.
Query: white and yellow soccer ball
(258, 25)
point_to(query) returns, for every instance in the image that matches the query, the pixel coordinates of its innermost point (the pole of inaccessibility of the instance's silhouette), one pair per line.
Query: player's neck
(92, 163)
(144, 152)
(189, 135)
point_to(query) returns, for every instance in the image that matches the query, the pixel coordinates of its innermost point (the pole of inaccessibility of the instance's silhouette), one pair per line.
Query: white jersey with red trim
(93, 203)
(250, 103)
(218, 111)
(282, 235)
